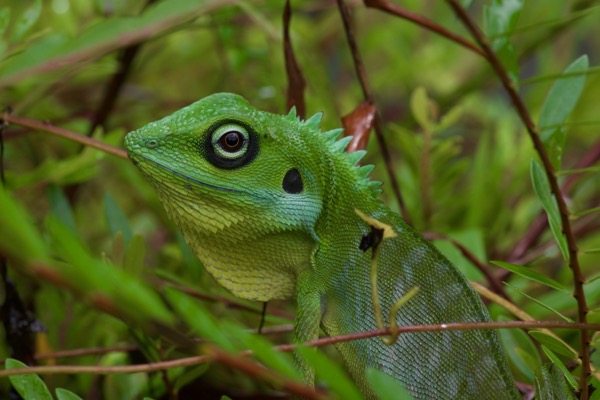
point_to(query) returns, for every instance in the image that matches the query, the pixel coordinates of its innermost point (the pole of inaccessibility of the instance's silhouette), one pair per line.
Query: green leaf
(18, 238)
(541, 186)
(30, 386)
(92, 277)
(330, 373)
(134, 256)
(26, 21)
(559, 104)
(266, 353)
(550, 384)
(521, 352)
(553, 343)
(421, 108)
(385, 386)
(530, 274)
(499, 19)
(200, 320)
(64, 394)
(61, 208)
(546, 306)
(116, 219)
(4, 20)
(59, 51)
(555, 360)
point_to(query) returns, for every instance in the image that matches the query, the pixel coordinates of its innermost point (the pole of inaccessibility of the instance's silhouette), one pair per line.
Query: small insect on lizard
(275, 208)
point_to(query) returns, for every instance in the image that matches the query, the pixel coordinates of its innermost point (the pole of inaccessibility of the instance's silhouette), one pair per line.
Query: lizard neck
(252, 262)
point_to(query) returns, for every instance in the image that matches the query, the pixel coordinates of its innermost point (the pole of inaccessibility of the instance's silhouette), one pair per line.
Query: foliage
(95, 259)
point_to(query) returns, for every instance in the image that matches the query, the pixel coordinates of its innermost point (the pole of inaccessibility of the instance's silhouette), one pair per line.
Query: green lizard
(268, 203)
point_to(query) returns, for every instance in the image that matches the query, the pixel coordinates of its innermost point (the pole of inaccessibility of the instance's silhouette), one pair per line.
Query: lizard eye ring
(230, 141)
(230, 145)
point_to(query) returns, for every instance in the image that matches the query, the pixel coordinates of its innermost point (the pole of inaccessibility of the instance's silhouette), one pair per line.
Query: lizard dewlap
(267, 202)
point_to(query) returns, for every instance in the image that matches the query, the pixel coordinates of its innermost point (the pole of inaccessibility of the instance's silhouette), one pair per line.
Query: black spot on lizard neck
(292, 182)
(371, 239)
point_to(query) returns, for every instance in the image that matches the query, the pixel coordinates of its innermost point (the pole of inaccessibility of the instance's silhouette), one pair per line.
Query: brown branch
(64, 133)
(116, 83)
(190, 361)
(296, 82)
(160, 283)
(255, 370)
(493, 280)
(540, 224)
(391, 8)
(578, 279)
(377, 123)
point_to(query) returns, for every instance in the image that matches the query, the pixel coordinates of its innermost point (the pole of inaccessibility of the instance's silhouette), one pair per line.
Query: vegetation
(488, 140)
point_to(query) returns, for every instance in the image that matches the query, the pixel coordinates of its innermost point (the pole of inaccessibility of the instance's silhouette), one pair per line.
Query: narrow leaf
(26, 21)
(553, 343)
(542, 190)
(29, 386)
(385, 386)
(559, 104)
(546, 306)
(63, 394)
(265, 352)
(556, 361)
(500, 18)
(61, 208)
(330, 373)
(358, 124)
(420, 106)
(199, 319)
(530, 274)
(550, 384)
(116, 219)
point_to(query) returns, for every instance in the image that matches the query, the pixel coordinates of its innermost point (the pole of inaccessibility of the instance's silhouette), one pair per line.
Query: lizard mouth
(135, 159)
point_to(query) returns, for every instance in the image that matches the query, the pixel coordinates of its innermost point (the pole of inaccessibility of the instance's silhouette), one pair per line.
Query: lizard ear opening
(292, 182)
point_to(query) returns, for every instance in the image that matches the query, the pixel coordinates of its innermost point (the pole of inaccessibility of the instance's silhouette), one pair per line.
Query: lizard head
(243, 186)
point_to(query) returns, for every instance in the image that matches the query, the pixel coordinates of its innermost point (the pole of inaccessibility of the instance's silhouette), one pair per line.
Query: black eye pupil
(232, 141)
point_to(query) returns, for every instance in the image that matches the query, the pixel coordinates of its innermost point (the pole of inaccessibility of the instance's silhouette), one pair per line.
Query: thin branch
(296, 81)
(493, 280)
(578, 278)
(368, 96)
(540, 224)
(64, 133)
(195, 360)
(391, 8)
(255, 370)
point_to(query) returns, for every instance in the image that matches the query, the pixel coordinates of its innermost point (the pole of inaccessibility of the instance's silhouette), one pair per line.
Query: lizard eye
(230, 141)
(230, 145)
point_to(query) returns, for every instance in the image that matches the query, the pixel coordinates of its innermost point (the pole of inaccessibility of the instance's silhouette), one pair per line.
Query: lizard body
(267, 202)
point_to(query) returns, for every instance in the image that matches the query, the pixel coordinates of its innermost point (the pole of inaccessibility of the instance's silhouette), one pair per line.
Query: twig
(540, 224)
(377, 123)
(257, 371)
(393, 9)
(195, 360)
(578, 279)
(64, 133)
(489, 276)
(296, 82)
